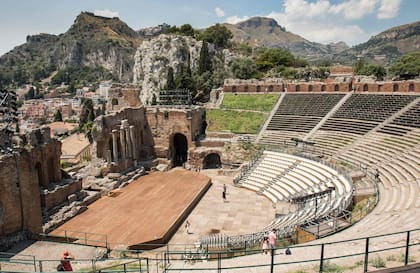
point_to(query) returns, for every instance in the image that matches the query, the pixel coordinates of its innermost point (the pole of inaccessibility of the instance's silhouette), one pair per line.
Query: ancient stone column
(133, 142)
(123, 143)
(128, 139)
(114, 145)
(108, 156)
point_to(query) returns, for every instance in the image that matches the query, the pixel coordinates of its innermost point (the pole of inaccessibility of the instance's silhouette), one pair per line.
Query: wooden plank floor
(144, 211)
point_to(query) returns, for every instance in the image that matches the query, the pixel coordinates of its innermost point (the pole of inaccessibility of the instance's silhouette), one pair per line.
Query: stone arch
(40, 173)
(179, 148)
(365, 87)
(212, 161)
(395, 87)
(270, 88)
(258, 88)
(323, 88)
(297, 88)
(411, 87)
(234, 88)
(336, 87)
(246, 88)
(310, 88)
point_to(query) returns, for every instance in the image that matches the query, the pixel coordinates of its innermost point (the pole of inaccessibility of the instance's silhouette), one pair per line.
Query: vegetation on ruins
(239, 113)
(363, 68)
(261, 102)
(408, 66)
(235, 121)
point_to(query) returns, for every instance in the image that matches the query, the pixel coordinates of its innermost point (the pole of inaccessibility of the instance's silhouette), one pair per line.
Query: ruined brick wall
(343, 84)
(20, 207)
(166, 122)
(45, 155)
(393, 86)
(120, 96)
(253, 86)
(135, 118)
(56, 197)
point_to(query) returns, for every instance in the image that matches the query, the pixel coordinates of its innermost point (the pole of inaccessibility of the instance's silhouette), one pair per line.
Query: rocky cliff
(155, 56)
(385, 47)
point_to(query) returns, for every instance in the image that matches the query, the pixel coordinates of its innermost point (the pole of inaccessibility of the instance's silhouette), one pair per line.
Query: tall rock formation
(155, 56)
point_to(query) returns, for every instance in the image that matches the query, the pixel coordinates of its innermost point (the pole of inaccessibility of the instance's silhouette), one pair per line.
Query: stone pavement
(243, 212)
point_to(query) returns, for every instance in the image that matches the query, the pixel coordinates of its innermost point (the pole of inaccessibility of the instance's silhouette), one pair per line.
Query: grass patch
(361, 209)
(260, 102)
(378, 262)
(411, 259)
(234, 121)
(335, 268)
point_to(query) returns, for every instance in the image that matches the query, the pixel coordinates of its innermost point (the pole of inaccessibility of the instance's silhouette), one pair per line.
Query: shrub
(378, 262)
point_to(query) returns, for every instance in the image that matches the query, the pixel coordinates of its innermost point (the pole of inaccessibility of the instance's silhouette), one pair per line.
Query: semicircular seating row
(283, 177)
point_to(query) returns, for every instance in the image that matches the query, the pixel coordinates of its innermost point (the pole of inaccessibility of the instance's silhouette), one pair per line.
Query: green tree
(184, 79)
(30, 94)
(218, 35)
(408, 66)
(87, 113)
(244, 68)
(204, 62)
(187, 30)
(58, 116)
(269, 58)
(170, 83)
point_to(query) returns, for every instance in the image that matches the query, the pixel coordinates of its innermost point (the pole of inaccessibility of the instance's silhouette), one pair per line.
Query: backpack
(288, 251)
(60, 267)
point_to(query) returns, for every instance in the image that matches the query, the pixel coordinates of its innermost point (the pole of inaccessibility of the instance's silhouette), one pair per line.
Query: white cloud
(219, 12)
(354, 9)
(106, 13)
(388, 9)
(236, 19)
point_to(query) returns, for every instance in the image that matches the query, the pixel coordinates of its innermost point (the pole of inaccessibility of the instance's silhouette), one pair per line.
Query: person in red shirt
(65, 261)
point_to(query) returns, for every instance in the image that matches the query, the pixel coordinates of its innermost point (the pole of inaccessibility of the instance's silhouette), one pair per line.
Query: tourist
(265, 245)
(224, 188)
(272, 237)
(65, 261)
(224, 196)
(187, 226)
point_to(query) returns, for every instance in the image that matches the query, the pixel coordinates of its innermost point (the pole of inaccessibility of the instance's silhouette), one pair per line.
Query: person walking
(265, 245)
(187, 226)
(65, 261)
(272, 237)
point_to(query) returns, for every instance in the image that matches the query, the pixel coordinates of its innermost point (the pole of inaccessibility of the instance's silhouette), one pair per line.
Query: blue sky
(324, 21)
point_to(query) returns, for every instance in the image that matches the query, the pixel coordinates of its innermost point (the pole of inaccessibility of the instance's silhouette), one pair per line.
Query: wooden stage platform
(148, 210)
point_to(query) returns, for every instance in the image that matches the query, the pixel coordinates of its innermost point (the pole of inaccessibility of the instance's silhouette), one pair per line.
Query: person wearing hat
(65, 261)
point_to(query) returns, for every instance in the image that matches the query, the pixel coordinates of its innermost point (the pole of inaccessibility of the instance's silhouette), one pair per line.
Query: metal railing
(361, 254)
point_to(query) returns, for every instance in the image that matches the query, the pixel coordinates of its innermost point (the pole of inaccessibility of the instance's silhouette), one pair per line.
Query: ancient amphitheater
(326, 154)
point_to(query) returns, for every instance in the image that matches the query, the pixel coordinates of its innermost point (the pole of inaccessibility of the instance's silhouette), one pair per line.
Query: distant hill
(266, 32)
(385, 47)
(92, 41)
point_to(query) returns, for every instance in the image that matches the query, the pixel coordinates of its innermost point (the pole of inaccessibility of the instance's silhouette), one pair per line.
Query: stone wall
(20, 206)
(45, 156)
(166, 122)
(120, 96)
(123, 138)
(50, 199)
(344, 84)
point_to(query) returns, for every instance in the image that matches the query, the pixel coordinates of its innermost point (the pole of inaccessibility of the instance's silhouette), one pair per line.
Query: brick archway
(212, 161)
(179, 147)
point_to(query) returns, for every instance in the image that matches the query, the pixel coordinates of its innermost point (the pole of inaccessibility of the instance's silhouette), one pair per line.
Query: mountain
(91, 41)
(266, 32)
(385, 47)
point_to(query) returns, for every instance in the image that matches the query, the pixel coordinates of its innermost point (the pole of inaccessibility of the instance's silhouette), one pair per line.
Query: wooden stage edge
(176, 224)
